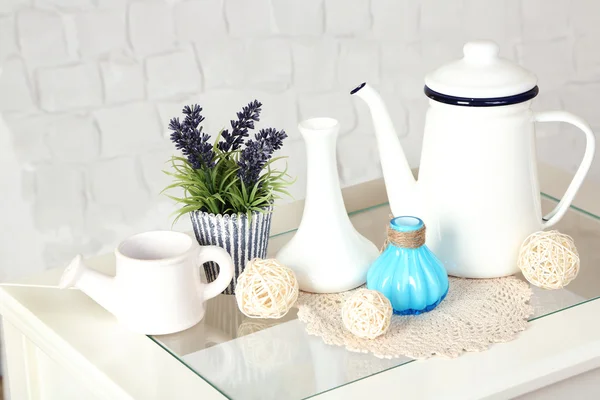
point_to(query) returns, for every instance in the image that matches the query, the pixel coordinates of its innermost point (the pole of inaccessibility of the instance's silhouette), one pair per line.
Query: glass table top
(245, 358)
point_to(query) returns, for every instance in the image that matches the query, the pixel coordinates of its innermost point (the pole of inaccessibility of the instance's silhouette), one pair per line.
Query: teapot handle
(590, 146)
(226, 269)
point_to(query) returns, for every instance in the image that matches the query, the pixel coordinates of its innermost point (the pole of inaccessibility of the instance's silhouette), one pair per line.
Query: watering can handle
(226, 269)
(590, 146)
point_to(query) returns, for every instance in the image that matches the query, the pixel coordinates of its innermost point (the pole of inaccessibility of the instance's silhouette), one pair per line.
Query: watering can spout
(98, 286)
(399, 181)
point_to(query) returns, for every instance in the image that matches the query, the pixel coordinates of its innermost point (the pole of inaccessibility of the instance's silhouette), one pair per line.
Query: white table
(62, 345)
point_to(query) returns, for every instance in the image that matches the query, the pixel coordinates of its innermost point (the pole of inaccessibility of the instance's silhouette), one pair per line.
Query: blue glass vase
(407, 272)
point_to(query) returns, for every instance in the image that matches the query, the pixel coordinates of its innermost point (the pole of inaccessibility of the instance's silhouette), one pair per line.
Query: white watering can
(157, 288)
(478, 190)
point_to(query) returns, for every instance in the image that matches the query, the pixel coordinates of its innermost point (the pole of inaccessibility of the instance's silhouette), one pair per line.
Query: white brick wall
(151, 27)
(8, 41)
(299, 17)
(88, 87)
(347, 17)
(69, 88)
(315, 64)
(128, 129)
(42, 37)
(123, 80)
(15, 91)
(197, 19)
(173, 74)
(221, 61)
(249, 18)
(100, 31)
(268, 64)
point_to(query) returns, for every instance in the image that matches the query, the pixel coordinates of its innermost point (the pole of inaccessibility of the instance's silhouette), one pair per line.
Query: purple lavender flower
(239, 129)
(272, 137)
(257, 153)
(189, 138)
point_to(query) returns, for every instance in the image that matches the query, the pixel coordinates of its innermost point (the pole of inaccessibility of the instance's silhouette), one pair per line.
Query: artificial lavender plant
(231, 175)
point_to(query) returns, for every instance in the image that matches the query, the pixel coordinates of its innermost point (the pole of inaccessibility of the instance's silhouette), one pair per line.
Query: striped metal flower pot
(244, 238)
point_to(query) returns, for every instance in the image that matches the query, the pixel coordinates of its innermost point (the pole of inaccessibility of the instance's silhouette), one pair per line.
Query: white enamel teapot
(478, 190)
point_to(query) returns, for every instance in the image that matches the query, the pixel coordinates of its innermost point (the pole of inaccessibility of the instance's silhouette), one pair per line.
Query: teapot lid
(481, 79)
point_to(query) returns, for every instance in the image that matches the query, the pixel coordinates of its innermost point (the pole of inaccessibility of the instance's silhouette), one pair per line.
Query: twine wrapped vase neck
(406, 239)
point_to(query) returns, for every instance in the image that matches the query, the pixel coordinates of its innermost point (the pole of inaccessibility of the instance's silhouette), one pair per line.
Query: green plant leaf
(283, 191)
(227, 177)
(182, 211)
(217, 140)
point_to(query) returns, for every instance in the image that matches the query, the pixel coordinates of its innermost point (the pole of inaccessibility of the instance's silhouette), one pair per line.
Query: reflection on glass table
(247, 358)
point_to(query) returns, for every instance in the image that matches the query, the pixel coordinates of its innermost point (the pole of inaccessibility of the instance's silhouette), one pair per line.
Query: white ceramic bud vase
(327, 254)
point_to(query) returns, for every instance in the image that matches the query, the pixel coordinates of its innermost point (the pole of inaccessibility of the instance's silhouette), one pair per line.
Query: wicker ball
(367, 313)
(266, 289)
(549, 259)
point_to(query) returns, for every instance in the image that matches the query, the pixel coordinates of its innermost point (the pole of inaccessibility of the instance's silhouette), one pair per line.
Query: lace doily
(475, 313)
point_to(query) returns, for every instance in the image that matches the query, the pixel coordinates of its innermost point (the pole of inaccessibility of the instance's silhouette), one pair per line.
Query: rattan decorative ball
(266, 289)
(367, 313)
(549, 259)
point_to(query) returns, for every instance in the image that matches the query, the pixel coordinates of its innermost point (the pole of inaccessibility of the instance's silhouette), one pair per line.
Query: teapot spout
(98, 286)
(397, 175)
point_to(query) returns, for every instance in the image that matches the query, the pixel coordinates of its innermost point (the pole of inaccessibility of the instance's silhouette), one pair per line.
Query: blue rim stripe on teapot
(476, 102)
